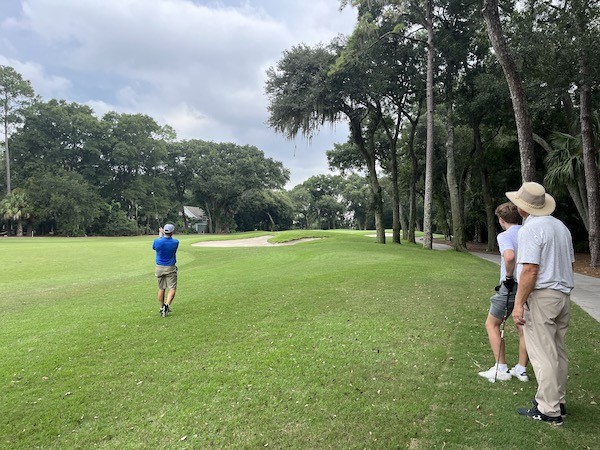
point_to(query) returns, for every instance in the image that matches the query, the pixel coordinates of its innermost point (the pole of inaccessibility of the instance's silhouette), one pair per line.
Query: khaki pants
(547, 317)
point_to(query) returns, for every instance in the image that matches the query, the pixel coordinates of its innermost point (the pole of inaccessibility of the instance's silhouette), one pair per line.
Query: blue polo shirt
(166, 249)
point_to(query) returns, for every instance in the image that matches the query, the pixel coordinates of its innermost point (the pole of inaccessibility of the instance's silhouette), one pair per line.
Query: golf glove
(509, 283)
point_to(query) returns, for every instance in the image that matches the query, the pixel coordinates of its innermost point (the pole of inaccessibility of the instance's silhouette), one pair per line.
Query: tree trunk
(396, 227)
(579, 205)
(370, 158)
(271, 222)
(477, 233)
(395, 195)
(403, 224)
(428, 201)
(184, 217)
(393, 140)
(412, 207)
(590, 165)
(377, 199)
(465, 181)
(7, 157)
(515, 86)
(486, 191)
(412, 197)
(209, 219)
(414, 176)
(458, 228)
(583, 196)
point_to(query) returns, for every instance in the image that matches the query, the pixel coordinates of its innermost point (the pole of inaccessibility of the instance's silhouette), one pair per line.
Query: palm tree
(15, 208)
(564, 167)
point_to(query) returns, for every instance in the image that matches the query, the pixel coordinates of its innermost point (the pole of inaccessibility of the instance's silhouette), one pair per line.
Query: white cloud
(100, 108)
(193, 124)
(50, 86)
(198, 66)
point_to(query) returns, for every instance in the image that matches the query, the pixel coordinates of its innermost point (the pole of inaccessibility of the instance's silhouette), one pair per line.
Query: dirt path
(261, 241)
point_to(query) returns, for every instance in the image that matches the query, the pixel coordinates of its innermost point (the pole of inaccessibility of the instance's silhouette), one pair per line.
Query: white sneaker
(519, 376)
(491, 373)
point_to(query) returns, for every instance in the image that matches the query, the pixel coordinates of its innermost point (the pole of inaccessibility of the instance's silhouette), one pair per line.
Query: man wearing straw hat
(543, 301)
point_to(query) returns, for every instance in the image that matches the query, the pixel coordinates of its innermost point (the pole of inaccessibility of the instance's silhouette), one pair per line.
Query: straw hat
(532, 198)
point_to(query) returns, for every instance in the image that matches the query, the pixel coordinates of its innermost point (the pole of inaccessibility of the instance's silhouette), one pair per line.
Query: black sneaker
(167, 309)
(563, 408)
(163, 312)
(535, 414)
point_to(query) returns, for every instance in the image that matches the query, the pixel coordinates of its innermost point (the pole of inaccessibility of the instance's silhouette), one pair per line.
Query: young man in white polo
(503, 301)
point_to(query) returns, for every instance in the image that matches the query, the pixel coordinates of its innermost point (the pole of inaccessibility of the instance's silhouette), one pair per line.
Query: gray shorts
(498, 302)
(167, 277)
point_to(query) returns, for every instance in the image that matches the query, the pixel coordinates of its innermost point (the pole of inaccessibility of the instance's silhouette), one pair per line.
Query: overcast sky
(196, 65)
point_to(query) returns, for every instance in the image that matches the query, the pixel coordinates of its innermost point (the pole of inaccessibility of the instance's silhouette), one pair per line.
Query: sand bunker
(261, 241)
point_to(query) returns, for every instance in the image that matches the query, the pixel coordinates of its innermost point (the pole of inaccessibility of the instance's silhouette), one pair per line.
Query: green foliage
(15, 207)
(57, 134)
(135, 150)
(227, 172)
(356, 196)
(345, 157)
(335, 343)
(318, 202)
(265, 210)
(300, 91)
(114, 222)
(133, 164)
(15, 94)
(65, 200)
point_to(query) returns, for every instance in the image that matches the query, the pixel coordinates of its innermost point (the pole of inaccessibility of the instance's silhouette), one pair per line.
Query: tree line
(456, 102)
(69, 172)
(449, 104)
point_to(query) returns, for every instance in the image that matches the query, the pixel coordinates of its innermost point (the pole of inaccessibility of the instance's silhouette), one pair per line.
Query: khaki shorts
(167, 277)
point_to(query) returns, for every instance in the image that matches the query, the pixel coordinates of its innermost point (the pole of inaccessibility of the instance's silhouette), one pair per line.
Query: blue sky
(198, 66)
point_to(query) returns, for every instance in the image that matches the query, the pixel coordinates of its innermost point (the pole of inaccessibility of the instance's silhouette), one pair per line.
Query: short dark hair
(508, 212)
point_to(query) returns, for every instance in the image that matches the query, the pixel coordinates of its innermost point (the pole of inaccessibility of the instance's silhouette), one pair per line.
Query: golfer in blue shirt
(166, 269)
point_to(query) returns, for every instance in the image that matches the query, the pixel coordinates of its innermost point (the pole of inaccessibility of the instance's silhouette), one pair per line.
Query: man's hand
(518, 315)
(509, 283)
(527, 282)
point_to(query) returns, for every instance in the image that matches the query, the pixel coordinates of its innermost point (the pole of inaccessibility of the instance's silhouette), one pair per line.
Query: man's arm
(509, 261)
(527, 281)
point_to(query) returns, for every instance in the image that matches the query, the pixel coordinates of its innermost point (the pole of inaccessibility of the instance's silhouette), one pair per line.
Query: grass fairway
(336, 343)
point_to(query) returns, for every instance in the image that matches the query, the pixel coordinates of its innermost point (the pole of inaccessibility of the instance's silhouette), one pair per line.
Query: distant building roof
(194, 213)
